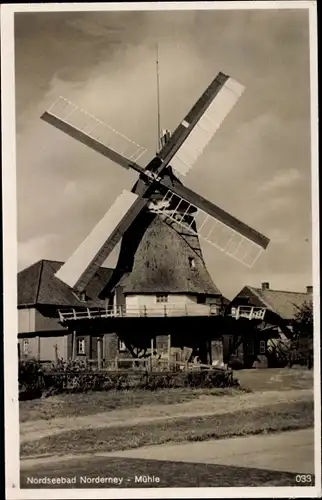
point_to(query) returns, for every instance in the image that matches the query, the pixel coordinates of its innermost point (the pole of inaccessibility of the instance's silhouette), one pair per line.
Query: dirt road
(203, 406)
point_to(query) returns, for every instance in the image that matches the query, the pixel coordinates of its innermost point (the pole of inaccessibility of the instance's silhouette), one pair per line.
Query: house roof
(283, 303)
(37, 285)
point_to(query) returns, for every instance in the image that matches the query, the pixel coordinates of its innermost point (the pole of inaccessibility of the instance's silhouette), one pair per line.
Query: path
(291, 451)
(204, 406)
(273, 460)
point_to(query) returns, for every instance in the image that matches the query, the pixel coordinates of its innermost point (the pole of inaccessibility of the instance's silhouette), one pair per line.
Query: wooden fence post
(152, 355)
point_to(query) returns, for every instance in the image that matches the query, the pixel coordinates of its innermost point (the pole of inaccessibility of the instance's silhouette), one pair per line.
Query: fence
(150, 364)
(162, 310)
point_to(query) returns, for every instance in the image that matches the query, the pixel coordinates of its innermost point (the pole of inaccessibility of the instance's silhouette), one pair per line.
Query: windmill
(158, 187)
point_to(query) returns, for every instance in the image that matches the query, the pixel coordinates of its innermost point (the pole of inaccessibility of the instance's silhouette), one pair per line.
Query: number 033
(303, 478)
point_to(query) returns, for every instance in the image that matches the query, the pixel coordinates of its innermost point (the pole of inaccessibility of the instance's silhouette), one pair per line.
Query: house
(40, 296)
(280, 308)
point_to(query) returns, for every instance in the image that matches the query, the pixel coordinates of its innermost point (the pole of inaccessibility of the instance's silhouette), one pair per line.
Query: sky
(257, 167)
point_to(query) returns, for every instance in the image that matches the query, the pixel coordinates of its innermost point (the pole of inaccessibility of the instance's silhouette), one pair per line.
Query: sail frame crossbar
(67, 111)
(206, 227)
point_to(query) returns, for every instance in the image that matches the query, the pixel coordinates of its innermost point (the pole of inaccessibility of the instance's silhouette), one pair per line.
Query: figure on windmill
(160, 298)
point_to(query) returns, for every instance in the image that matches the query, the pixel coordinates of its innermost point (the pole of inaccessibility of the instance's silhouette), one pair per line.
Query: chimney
(265, 286)
(309, 289)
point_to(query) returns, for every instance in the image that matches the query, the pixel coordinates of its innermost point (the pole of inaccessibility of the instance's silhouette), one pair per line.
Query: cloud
(282, 180)
(40, 247)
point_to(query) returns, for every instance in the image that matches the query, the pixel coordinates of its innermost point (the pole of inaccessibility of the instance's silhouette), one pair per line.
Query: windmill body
(160, 220)
(160, 262)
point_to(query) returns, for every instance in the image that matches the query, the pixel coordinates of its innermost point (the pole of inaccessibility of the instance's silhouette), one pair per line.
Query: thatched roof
(283, 303)
(37, 285)
(157, 257)
(160, 257)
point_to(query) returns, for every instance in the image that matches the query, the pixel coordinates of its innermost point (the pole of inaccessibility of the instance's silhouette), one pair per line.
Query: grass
(268, 419)
(73, 405)
(275, 379)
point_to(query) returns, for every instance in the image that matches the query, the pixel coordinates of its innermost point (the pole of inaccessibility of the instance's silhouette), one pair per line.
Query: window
(192, 263)
(262, 347)
(161, 297)
(122, 346)
(201, 299)
(25, 346)
(80, 346)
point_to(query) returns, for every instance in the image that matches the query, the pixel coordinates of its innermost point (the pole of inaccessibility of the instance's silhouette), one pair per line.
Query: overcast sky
(257, 167)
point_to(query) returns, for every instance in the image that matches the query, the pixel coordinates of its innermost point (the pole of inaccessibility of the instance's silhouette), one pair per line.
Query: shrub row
(35, 380)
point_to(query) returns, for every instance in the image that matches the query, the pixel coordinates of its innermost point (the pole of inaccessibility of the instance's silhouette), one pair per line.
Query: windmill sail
(195, 200)
(185, 128)
(207, 126)
(243, 244)
(91, 131)
(91, 254)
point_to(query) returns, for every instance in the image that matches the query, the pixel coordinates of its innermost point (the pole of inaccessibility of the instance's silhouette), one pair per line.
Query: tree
(302, 339)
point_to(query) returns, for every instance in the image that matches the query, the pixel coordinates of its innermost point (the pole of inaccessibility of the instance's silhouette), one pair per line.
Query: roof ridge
(39, 279)
(278, 291)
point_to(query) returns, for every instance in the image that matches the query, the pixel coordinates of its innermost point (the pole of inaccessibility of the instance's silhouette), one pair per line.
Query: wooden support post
(38, 347)
(99, 353)
(210, 352)
(169, 351)
(74, 352)
(56, 352)
(104, 348)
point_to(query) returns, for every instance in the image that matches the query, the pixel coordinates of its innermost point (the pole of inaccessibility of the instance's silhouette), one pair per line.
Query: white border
(10, 257)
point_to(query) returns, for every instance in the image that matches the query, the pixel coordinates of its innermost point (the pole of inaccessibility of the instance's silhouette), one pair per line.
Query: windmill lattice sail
(94, 250)
(207, 126)
(78, 119)
(210, 229)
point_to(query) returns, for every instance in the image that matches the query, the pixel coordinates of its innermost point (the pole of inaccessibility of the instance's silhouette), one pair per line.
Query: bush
(29, 379)
(211, 378)
(301, 349)
(75, 376)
